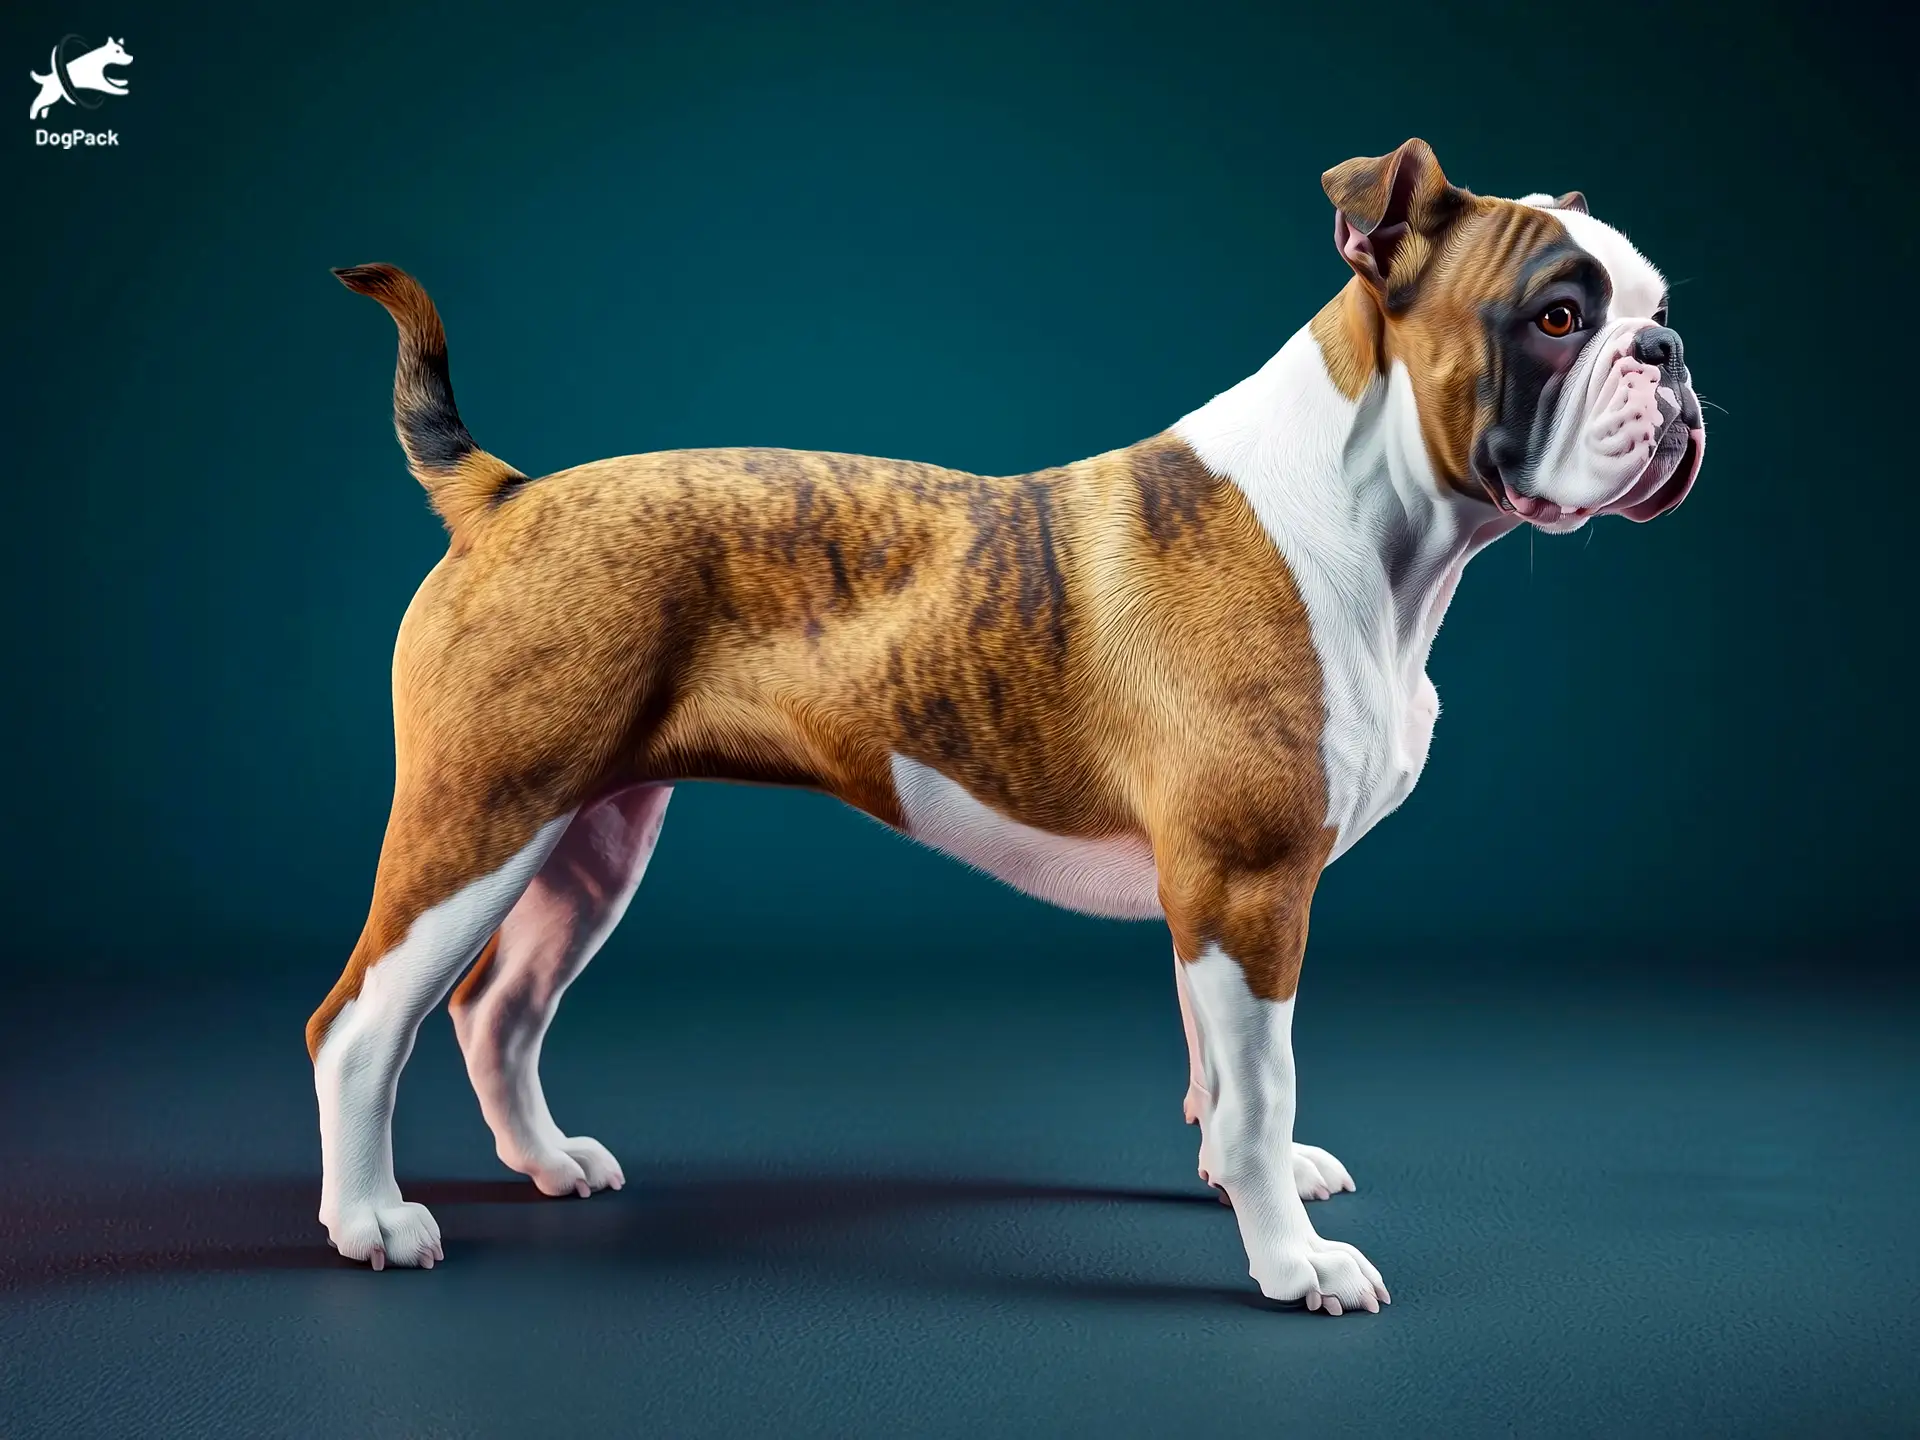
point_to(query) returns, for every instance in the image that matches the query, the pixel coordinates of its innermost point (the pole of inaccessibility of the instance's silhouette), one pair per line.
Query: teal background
(996, 237)
(1612, 1022)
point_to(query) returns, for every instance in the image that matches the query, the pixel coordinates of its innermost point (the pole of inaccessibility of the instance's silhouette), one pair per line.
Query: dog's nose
(1659, 347)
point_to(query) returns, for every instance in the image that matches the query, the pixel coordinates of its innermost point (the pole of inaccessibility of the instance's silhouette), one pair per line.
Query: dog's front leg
(1316, 1174)
(1239, 939)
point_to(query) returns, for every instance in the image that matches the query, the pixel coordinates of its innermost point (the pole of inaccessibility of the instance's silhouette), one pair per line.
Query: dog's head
(1546, 376)
(110, 54)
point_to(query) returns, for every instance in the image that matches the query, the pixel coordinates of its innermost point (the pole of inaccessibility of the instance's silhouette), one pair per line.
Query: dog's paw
(1316, 1174)
(383, 1235)
(1325, 1275)
(578, 1165)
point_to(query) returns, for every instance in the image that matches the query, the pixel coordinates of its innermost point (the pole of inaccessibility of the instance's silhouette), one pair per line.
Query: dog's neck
(1348, 494)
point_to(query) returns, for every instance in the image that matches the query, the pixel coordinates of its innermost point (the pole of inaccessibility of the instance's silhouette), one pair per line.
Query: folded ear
(1386, 209)
(1572, 200)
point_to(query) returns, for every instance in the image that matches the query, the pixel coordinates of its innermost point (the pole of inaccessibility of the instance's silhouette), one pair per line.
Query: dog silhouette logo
(79, 76)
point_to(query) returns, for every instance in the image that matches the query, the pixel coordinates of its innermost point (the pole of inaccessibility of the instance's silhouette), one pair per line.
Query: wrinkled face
(1587, 407)
(1546, 377)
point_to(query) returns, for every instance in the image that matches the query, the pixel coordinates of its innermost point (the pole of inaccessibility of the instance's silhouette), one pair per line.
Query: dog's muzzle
(1682, 446)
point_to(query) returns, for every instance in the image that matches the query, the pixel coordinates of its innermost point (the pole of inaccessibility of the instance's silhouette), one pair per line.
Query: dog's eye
(1660, 315)
(1559, 320)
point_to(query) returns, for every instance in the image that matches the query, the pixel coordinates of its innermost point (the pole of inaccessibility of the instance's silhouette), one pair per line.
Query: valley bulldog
(1175, 680)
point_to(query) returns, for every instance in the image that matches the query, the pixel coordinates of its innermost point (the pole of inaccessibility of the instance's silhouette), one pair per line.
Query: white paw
(398, 1234)
(577, 1165)
(1316, 1174)
(1327, 1275)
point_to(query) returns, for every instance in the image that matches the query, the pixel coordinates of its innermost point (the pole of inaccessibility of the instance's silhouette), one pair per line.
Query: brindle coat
(1111, 648)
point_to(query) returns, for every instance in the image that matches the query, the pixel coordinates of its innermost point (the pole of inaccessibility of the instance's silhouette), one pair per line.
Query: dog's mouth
(1659, 488)
(1668, 476)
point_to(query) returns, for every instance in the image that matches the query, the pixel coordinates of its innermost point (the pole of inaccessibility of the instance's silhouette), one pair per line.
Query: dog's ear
(1572, 200)
(1387, 209)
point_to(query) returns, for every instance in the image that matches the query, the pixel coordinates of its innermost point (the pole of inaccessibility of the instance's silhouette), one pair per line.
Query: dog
(1175, 680)
(86, 72)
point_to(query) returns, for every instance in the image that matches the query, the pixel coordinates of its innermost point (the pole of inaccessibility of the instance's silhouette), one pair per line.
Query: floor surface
(1669, 1211)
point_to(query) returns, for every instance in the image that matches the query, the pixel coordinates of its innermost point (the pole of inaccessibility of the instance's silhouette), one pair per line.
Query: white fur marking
(1244, 1082)
(357, 1071)
(1113, 877)
(1637, 283)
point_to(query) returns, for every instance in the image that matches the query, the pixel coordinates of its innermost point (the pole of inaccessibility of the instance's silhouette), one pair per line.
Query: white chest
(1379, 729)
(1375, 546)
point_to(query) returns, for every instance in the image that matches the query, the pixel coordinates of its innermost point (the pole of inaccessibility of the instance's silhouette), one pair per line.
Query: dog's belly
(1113, 877)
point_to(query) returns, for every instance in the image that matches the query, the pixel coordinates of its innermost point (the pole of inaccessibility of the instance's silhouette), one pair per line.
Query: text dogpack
(68, 139)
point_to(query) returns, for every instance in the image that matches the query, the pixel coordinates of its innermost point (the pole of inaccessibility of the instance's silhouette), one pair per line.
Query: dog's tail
(463, 481)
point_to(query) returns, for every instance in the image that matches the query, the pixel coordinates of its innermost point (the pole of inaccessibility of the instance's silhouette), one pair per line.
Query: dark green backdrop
(994, 236)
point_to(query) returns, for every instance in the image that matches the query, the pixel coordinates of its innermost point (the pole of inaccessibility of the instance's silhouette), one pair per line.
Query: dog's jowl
(1173, 680)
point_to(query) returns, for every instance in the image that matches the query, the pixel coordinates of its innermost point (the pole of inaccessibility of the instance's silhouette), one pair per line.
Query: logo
(78, 77)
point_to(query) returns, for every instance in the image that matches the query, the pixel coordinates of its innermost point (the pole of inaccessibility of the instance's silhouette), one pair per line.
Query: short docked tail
(463, 481)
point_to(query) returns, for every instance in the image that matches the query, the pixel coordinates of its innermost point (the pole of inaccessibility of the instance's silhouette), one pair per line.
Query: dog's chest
(1379, 729)
(1113, 877)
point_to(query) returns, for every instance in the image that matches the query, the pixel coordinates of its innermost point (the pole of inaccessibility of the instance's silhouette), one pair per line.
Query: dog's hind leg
(454, 862)
(502, 1009)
